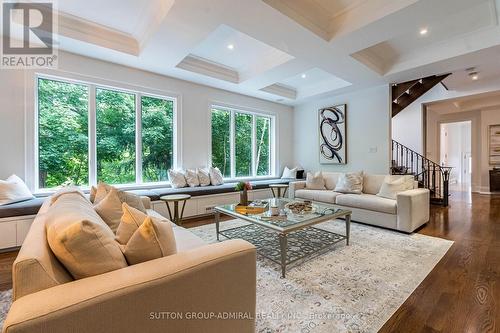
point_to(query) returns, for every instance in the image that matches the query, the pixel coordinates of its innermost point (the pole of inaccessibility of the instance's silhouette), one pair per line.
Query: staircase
(429, 174)
(405, 93)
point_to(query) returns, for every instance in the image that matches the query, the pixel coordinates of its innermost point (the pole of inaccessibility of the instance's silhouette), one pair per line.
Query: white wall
(455, 142)
(368, 131)
(17, 104)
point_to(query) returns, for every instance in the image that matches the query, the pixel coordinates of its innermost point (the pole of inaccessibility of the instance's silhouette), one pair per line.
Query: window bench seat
(15, 219)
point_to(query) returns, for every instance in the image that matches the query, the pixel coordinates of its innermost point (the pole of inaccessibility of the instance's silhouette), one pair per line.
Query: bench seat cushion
(28, 207)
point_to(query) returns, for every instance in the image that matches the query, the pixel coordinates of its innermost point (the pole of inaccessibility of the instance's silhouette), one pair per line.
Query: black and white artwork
(332, 135)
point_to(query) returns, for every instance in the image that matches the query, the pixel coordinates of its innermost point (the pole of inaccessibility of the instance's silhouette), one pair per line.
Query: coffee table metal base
(285, 249)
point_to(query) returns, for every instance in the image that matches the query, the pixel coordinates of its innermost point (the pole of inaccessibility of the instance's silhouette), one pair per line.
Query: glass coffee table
(289, 238)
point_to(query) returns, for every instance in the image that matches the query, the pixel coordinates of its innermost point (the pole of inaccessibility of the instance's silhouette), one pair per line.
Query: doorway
(456, 152)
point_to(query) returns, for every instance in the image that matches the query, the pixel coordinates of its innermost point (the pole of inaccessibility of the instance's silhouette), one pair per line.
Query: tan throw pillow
(131, 220)
(130, 198)
(79, 238)
(93, 191)
(110, 209)
(351, 182)
(153, 239)
(315, 182)
(390, 188)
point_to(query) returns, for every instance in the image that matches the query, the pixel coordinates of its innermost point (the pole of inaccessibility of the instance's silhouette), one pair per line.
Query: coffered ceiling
(289, 51)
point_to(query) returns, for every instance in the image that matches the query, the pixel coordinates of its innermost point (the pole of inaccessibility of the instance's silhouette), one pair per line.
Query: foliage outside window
(64, 151)
(242, 139)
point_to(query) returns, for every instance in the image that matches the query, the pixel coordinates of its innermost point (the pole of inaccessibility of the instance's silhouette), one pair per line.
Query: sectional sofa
(408, 212)
(200, 278)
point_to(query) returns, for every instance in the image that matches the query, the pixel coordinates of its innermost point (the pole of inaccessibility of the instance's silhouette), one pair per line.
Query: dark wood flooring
(461, 294)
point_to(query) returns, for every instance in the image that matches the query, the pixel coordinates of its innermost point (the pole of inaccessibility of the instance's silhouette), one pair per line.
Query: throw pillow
(203, 176)
(130, 221)
(391, 187)
(132, 199)
(153, 239)
(216, 176)
(192, 178)
(289, 173)
(80, 239)
(93, 191)
(315, 182)
(110, 209)
(351, 182)
(13, 190)
(177, 178)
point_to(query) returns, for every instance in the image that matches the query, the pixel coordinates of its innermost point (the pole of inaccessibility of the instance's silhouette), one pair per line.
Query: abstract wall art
(494, 144)
(332, 135)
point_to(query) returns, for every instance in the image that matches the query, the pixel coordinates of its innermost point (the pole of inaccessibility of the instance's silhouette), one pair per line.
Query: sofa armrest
(146, 201)
(294, 186)
(160, 295)
(413, 209)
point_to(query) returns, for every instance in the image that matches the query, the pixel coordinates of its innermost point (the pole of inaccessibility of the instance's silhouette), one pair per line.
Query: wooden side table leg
(176, 212)
(182, 211)
(169, 212)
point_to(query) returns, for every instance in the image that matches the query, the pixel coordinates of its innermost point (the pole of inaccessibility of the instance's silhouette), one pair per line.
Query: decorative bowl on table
(300, 208)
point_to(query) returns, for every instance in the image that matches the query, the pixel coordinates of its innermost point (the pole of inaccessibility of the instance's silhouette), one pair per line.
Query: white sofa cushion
(289, 173)
(203, 176)
(13, 190)
(351, 182)
(177, 178)
(216, 177)
(315, 181)
(367, 201)
(372, 183)
(317, 195)
(392, 186)
(331, 179)
(191, 176)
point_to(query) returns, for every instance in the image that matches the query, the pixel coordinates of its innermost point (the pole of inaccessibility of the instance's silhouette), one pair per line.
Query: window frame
(92, 85)
(273, 119)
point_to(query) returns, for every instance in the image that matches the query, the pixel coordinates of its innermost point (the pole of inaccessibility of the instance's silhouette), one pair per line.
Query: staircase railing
(429, 174)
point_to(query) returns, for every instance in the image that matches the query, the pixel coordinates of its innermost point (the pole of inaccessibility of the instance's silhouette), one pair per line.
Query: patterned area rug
(352, 288)
(5, 301)
(348, 289)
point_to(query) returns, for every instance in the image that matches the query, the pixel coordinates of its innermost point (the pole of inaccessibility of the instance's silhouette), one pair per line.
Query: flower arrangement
(243, 186)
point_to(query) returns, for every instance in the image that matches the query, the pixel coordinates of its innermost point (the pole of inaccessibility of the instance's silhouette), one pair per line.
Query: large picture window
(241, 143)
(133, 133)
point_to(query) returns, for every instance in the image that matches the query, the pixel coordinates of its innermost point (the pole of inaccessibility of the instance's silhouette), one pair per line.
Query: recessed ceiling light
(230, 46)
(303, 76)
(474, 76)
(424, 31)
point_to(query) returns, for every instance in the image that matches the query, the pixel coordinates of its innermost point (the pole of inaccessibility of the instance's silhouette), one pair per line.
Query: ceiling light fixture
(230, 46)
(424, 31)
(474, 76)
(303, 76)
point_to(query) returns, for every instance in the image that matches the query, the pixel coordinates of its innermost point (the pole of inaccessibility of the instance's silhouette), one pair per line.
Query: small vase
(244, 198)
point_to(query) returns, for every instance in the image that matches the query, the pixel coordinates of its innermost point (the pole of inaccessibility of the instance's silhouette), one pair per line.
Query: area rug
(352, 288)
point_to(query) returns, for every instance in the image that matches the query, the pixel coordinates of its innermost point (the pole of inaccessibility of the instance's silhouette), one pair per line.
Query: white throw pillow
(192, 178)
(13, 190)
(203, 176)
(216, 176)
(289, 173)
(351, 182)
(315, 182)
(391, 187)
(177, 178)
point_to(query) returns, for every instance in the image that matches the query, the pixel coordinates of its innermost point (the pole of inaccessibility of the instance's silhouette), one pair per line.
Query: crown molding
(281, 90)
(204, 66)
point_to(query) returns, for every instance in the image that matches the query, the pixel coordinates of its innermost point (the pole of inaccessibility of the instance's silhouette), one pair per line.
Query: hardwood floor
(461, 294)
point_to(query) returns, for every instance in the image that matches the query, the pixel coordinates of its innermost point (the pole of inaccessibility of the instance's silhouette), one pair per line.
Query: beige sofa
(409, 211)
(160, 295)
